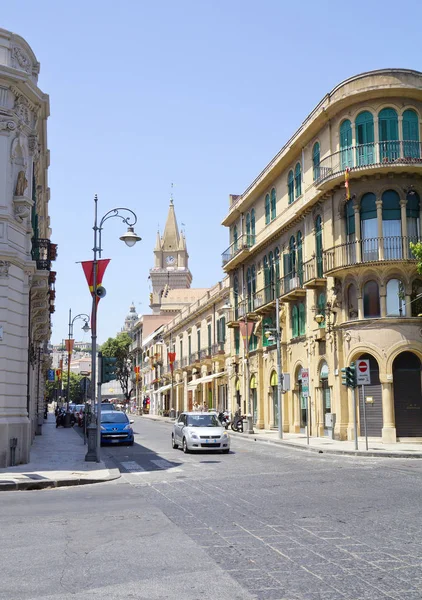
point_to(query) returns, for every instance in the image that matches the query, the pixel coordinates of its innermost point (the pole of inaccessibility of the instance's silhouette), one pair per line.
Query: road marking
(132, 467)
(165, 464)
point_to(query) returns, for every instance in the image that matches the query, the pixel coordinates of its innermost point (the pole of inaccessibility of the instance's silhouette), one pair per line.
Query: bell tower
(171, 270)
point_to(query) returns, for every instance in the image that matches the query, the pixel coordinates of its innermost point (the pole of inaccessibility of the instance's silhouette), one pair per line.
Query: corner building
(340, 261)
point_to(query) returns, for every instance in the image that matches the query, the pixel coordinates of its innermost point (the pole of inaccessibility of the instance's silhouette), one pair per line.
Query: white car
(200, 431)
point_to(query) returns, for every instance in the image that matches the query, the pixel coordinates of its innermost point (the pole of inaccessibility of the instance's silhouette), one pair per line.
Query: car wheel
(185, 446)
(173, 443)
(131, 443)
(226, 450)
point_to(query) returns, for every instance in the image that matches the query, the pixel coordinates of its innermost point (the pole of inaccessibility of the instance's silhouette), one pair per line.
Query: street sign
(51, 376)
(363, 373)
(305, 383)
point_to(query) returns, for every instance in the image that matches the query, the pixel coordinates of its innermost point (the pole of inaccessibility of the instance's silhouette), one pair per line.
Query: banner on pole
(172, 358)
(69, 346)
(246, 330)
(51, 375)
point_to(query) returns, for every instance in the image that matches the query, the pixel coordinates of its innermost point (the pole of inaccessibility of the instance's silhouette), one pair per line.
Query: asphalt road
(262, 522)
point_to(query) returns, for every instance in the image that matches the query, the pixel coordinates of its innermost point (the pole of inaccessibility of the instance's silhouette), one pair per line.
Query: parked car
(200, 431)
(116, 428)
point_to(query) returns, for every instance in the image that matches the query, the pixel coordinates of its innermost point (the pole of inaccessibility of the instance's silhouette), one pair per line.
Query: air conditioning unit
(294, 283)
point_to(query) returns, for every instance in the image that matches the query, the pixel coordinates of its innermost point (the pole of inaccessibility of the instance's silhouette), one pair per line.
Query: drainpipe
(28, 371)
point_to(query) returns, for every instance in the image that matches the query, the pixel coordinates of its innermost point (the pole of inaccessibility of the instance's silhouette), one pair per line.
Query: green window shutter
(292, 256)
(199, 339)
(411, 146)
(295, 322)
(368, 208)
(253, 226)
(299, 257)
(388, 128)
(277, 270)
(291, 187)
(248, 229)
(350, 218)
(237, 340)
(209, 336)
(223, 330)
(235, 237)
(321, 307)
(316, 160)
(413, 205)
(391, 206)
(302, 319)
(346, 154)
(273, 204)
(298, 180)
(189, 345)
(249, 288)
(364, 125)
(318, 245)
(267, 209)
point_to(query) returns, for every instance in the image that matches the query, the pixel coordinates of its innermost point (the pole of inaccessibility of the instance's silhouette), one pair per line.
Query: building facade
(327, 228)
(26, 253)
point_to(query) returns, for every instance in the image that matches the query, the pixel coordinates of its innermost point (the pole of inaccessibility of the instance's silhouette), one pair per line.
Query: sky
(199, 93)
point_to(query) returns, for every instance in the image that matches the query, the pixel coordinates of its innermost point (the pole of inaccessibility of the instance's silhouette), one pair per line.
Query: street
(262, 522)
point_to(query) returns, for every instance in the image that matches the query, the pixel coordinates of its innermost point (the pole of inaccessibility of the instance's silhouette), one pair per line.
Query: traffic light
(351, 375)
(108, 368)
(344, 375)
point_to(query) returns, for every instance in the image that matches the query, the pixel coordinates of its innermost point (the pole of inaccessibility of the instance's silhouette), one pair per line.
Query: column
(383, 301)
(403, 216)
(408, 305)
(360, 304)
(389, 429)
(351, 399)
(358, 234)
(378, 204)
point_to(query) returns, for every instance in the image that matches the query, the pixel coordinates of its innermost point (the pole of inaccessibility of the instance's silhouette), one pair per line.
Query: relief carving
(21, 58)
(21, 184)
(4, 268)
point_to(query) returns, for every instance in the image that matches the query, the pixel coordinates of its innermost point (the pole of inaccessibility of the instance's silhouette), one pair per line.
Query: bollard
(249, 424)
(13, 444)
(91, 455)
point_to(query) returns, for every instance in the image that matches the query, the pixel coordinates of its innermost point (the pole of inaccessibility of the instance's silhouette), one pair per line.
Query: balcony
(236, 252)
(194, 358)
(313, 273)
(205, 354)
(369, 157)
(292, 288)
(217, 349)
(368, 251)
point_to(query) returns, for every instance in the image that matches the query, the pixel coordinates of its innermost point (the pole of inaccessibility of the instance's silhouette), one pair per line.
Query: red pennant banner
(246, 330)
(88, 267)
(172, 358)
(69, 346)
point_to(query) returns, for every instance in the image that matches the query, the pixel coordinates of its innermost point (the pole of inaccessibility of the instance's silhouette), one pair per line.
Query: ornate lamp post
(85, 328)
(129, 238)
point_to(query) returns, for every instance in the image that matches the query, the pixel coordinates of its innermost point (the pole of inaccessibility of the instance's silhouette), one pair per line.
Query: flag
(246, 330)
(69, 346)
(88, 267)
(172, 358)
(346, 183)
(137, 371)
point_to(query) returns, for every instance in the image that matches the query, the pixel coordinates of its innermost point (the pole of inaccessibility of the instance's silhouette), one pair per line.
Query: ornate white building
(26, 280)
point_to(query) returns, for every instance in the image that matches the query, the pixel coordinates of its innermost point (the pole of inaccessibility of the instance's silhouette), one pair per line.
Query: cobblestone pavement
(294, 527)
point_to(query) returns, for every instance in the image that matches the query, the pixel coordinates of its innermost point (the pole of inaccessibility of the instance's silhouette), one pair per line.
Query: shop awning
(164, 388)
(206, 379)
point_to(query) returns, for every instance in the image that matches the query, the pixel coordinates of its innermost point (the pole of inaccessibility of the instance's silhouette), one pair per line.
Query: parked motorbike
(237, 423)
(224, 418)
(60, 418)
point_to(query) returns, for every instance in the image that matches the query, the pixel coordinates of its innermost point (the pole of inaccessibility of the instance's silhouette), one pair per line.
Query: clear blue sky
(202, 93)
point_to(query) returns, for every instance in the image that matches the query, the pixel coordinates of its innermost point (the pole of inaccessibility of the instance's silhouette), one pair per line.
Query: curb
(55, 483)
(361, 453)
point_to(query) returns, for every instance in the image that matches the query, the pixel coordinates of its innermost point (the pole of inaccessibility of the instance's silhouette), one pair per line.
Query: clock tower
(171, 270)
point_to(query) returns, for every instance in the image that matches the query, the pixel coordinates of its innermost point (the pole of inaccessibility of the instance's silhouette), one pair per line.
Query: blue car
(116, 428)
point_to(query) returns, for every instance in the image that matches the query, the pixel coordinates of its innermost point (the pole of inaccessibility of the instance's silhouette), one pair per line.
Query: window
(271, 273)
(295, 322)
(180, 349)
(299, 257)
(267, 281)
(416, 298)
(277, 270)
(189, 345)
(316, 160)
(267, 209)
(209, 327)
(318, 247)
(198, 334)
(391, 225)
(235, 238)
(413, 215)
(298, 181)
(237, 341)
(291, 187)
(371, 300)
(253, 278)
(388, 129)
(249, 288)
(346, 152)
(352, 302)
(248, 229)
(236, 296)
(350, 221)
(369, 227)
(273, 204)
(252, 226)
(411, 147)
(364, 125)
(395, 298)
(221, 330)
(302, 319)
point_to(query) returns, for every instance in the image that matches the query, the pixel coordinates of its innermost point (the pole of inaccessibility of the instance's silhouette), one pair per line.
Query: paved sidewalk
(323, 444)
(57, 459)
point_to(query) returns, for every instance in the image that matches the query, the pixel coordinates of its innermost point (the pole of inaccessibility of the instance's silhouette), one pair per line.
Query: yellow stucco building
(340, 261)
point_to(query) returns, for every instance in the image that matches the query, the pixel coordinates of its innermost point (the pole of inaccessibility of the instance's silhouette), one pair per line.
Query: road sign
(51, 375)
(363, 373)
(305, 383)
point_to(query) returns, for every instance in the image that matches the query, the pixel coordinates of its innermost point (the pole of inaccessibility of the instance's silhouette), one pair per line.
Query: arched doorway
(325, 393)
(273, 386)
(303, 412)
(407, 395)
(373, 401)
(254, 398)
(237, 396)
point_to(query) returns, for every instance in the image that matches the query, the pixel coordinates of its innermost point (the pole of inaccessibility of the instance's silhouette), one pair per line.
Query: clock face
(170, 260)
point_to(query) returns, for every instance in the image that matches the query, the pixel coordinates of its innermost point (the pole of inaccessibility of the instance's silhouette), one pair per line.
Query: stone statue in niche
(21, 184)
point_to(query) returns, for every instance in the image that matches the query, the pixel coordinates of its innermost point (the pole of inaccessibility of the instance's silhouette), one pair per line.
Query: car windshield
(114, 417)
(205, 420)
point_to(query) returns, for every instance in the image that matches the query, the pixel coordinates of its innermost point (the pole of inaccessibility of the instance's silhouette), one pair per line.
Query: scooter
(224, 418)
(237, 423)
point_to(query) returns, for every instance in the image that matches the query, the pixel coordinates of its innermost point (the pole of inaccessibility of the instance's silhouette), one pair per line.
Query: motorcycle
(237, 423)
(224, 418)
(60, 418)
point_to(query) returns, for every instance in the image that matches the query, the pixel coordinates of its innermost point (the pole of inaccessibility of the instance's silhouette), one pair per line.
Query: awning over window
(237, 385)
(254, 384)
(164, 388)
(206, 379)
(274, 379)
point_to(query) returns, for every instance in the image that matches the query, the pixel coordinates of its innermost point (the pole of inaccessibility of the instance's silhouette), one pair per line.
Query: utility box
(330, 423)
(286, 382)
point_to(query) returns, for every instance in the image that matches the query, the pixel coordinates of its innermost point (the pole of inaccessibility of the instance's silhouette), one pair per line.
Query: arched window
(291, 187)
(236, 296)
(253, 226)
(299, 257)
(273, 204)
(371, 300)
(364, 125)
(302, 319)
(267, 284)
(346, 153)
(350, 221)
(271, 273)
(298, 180)
(277, 271)
(248, 229)
(388, 129)
(295, 321)
(413, 216)
(318, 247)
(316, 160)
(321, 307)
(235, 238)
(253, 277)
(267, 209)
(395, 298)
(391, 225)
(369, 227)
(292, 256)
(249, 285)
(352, 302)
(411, 147)
(416, 298)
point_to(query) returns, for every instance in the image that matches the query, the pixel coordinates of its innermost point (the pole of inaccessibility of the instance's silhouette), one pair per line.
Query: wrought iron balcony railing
(367, 155)
(217, 349)
(243, 242)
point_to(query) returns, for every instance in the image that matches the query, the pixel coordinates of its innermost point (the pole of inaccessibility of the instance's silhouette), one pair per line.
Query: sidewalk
(57, 459)
(324, 444)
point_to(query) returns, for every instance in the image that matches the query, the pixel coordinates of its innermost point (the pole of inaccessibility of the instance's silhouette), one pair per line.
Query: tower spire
(171, 237)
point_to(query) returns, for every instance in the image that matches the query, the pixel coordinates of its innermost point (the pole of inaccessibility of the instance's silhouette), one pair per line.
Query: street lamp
(85, 328)
(129, 238)
(272, 333)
